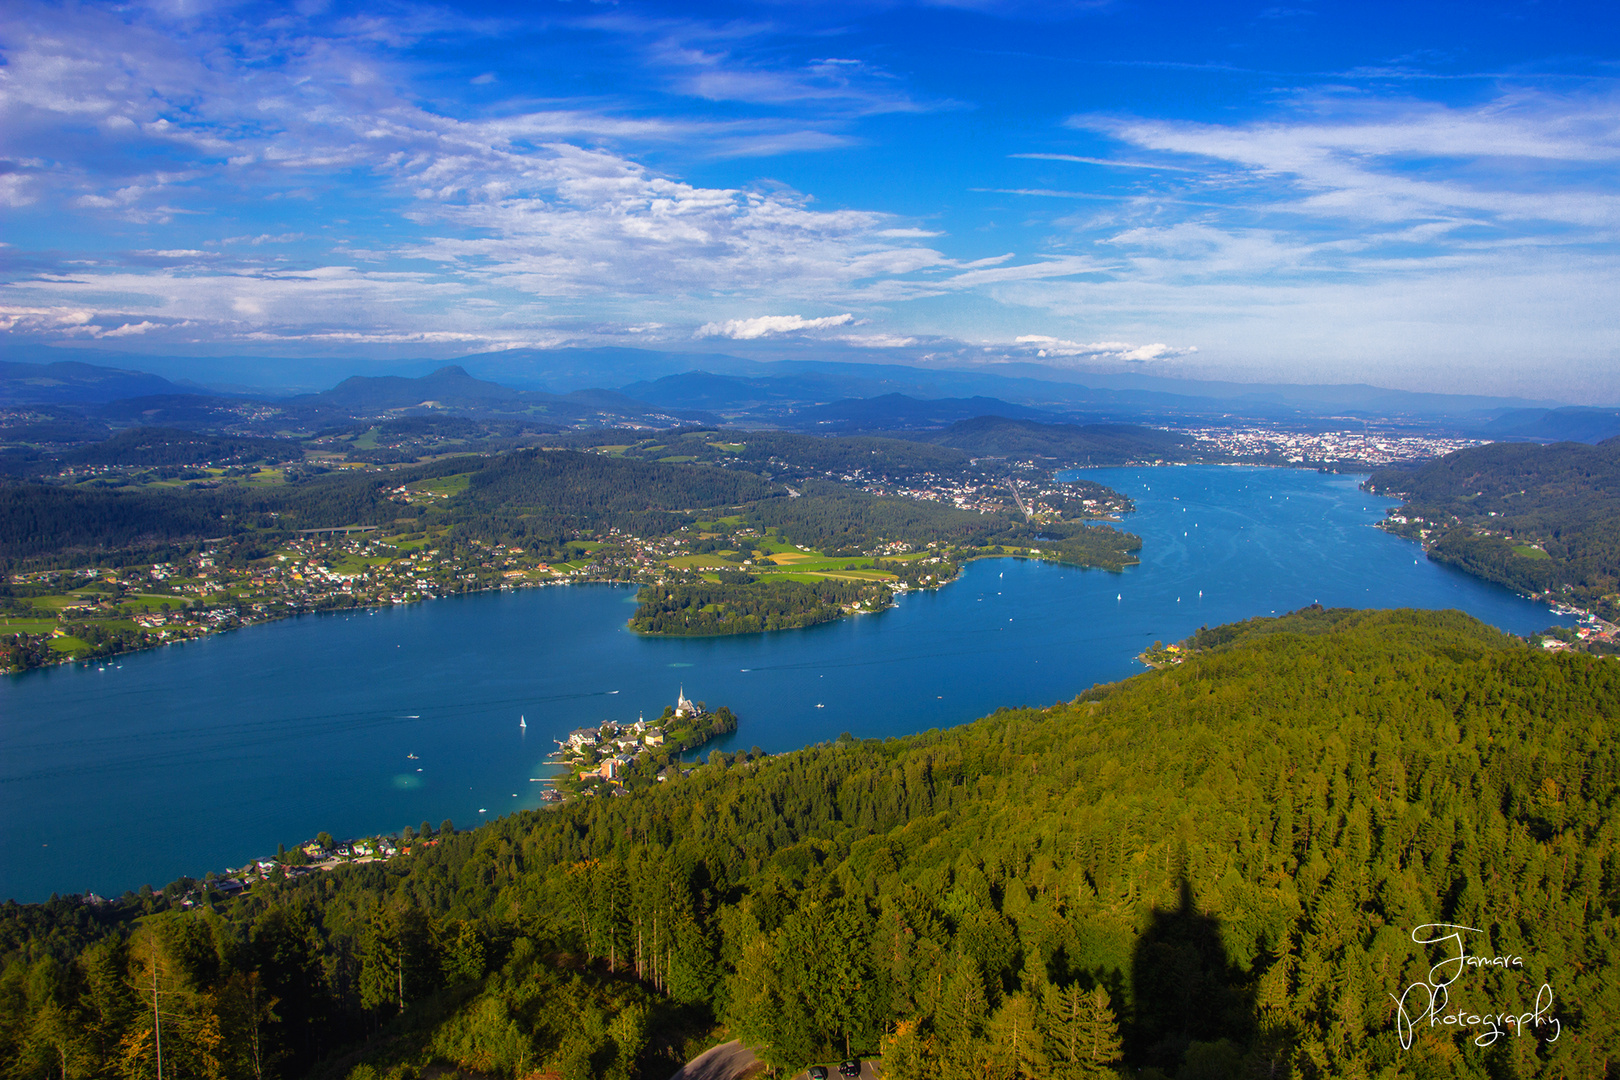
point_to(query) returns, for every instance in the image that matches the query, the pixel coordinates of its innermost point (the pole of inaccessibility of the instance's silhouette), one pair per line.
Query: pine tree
(1082, 1033)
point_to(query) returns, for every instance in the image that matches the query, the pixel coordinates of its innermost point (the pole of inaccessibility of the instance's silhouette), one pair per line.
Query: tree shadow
(1185, 990)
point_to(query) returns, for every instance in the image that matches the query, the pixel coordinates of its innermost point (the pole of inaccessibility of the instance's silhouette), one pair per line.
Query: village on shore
(615, 758)
(610, 759)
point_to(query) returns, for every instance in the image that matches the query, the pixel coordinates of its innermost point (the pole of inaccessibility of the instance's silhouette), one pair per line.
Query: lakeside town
(319, 855)
(92, 613)
(61, 615)
(1349, 450)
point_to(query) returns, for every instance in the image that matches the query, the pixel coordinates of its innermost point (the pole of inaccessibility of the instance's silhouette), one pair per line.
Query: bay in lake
(200, 756)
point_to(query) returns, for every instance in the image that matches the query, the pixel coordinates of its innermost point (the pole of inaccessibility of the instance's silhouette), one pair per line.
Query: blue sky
(1421, 196)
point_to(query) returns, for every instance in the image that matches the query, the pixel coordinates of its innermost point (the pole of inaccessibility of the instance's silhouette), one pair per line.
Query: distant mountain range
(73, 382)
(557, 389)
(1555, 425)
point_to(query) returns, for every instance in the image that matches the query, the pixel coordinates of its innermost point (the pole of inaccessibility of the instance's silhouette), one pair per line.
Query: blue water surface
(200, 756)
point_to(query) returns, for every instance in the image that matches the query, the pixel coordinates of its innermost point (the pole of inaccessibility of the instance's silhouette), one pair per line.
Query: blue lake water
(199, 756)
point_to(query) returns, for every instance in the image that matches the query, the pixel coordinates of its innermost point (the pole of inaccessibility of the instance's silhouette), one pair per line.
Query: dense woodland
(1079, 444)
(157, 446)
(1211, 870)
(743, 605)
(1532, 517)
(785, 453)
(522, 495)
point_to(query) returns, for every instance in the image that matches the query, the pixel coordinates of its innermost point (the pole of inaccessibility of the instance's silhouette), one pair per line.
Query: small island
(614, 758)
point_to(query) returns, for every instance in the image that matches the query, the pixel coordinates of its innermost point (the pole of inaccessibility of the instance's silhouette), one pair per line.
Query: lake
(199, 756)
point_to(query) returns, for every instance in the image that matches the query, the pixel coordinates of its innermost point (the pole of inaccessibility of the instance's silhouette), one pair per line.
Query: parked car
(818, 1072)
(850, 1068)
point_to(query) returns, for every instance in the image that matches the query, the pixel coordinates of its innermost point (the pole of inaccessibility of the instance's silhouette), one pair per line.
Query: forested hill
(1211, 870)
(1089, 444)
(1531, 517)
(523, 494)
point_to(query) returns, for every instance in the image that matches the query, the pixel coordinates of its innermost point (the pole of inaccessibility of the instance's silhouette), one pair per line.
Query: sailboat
(522, 723)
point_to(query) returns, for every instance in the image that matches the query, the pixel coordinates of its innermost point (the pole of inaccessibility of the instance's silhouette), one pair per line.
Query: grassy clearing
(444, 485)
(406, 545)
(678, 459)
(133, 604)
(820, 564)
(10, 625)
(729, 447)
(354, 564)
(70, 645)
(1529, 552)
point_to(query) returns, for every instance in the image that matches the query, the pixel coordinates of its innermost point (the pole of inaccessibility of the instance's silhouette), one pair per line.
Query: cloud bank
(766, 325)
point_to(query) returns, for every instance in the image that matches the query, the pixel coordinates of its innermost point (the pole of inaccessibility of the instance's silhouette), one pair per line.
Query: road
(869, 1071)
(728, 1061)
(734, 1061)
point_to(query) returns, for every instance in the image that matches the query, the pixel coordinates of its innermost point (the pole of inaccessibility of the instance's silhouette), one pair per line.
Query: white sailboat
(522, 723)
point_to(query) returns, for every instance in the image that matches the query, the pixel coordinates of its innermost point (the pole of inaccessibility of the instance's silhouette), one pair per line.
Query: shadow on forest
(1193, 1015)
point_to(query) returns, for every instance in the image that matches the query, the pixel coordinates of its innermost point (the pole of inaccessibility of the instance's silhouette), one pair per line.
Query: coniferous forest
(1211, 870)
(1534, 518)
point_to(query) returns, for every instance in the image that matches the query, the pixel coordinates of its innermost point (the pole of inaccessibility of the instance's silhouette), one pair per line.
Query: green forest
(741, 604)
(1088, 444)
(1528, 516)
(1211, 870)
(522, 495)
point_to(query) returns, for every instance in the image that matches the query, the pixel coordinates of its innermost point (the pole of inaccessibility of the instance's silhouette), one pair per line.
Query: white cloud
(1110, 162)
(768, 325)
(878, 341)
(1050, 347)
(1370, 159)
(734, 61)
(38, 318)
(129, 329)
(1064, 266)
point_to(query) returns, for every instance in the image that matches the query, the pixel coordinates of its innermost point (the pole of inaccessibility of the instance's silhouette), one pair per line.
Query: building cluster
(608, 751)
(1325, 448)
(208, 591)
(311, 857)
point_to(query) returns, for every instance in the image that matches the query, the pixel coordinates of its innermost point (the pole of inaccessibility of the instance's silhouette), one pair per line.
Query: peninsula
(614, 757)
